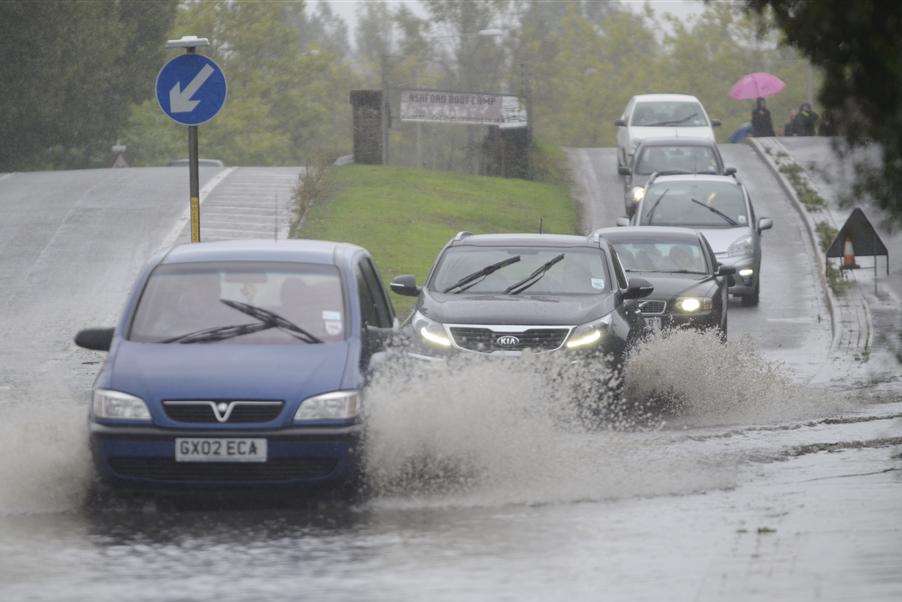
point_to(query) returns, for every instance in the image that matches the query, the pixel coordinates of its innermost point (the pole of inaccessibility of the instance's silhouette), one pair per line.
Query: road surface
(764, 489)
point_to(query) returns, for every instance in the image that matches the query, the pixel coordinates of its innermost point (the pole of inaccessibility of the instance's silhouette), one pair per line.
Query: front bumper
(138, 457)
(672, 320)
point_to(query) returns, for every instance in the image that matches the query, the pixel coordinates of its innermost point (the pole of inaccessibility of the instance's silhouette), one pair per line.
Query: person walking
(805, 122)
(761, 121)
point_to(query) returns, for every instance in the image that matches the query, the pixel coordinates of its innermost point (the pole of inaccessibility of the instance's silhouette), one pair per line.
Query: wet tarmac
(792, 495)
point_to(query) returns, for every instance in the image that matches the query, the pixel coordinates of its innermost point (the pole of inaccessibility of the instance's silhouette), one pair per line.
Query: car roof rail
(462, 235)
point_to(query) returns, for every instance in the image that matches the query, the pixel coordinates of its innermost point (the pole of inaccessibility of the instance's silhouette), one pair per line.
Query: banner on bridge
(434, 106)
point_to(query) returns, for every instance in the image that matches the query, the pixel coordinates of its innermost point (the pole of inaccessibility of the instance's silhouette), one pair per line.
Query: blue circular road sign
(191, 89)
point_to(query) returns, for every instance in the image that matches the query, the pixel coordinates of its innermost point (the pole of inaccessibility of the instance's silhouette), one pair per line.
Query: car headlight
(336, 405)
(637, 193)
(588, 335)
(693, 304)
(430, 332)
(742, 246)
(113, 405)
(746, 272)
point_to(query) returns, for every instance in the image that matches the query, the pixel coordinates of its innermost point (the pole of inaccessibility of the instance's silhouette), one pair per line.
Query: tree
(858, 46)
(69, 72)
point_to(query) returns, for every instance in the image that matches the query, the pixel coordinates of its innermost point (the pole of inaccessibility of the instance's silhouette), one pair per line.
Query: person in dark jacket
(761, 121)
(787, 127)
(805, 122)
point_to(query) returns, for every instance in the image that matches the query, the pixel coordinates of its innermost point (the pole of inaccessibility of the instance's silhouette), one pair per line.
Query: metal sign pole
(191, 90)
(193, 183)
(193, 176)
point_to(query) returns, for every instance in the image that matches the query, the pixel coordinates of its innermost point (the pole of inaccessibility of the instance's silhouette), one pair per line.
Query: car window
(622, 281)
(669, 113)
(646, 256)
(582, 271)
(694, 203)
(184, 298)
(691, 159)
(368, 311)
(377, 294)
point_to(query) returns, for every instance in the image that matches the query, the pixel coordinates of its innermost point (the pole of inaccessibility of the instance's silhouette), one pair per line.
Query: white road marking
(180, 224)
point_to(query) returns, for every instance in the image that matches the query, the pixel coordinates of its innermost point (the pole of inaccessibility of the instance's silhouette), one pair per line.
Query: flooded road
(802, 510)
(764, 486)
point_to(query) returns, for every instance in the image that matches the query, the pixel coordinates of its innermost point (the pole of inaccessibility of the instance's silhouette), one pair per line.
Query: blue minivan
(239, 364)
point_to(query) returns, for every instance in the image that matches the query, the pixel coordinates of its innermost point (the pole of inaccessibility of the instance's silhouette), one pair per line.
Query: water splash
(705, 382)
(538, 430)
(44, 458)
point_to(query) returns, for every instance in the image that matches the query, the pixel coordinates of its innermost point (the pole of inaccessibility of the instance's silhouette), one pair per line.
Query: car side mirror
(715, 123)
(96, 339)
(638, 288)
(405, 285)
(726, 270)
(623, 170)
(623, 221)
(620, 123)
(765, 223)
(729, 171)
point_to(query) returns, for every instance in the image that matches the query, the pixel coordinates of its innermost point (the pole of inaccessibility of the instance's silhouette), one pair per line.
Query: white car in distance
(660, 116)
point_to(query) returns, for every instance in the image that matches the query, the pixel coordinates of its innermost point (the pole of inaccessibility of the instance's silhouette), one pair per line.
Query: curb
(812, 236)
(832, 301)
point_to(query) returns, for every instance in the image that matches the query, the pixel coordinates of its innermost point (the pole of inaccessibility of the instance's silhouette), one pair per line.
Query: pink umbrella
(756, 85)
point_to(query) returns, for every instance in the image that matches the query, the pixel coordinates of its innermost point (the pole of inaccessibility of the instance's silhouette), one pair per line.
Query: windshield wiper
(519, 287)
(472, 279)
(726, 217)
(654, 206)
(672, 121)
(682, 272)
(219, 333)
(273, 319)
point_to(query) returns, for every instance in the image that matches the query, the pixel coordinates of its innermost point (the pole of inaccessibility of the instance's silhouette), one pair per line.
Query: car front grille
(652, 307)
(241, 412)
(488, 340)
(274, 470)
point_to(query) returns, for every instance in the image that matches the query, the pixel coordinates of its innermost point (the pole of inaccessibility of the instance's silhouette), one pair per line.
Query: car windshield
(581, 271)
(694, 203)
(669, 113)
(678, 257)
(692, 159)
(184, 298)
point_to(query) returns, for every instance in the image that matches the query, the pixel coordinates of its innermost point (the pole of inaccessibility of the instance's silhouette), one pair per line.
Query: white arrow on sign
(180, 100)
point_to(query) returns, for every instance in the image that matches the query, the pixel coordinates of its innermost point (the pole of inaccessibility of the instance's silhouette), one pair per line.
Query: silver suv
(720, 208)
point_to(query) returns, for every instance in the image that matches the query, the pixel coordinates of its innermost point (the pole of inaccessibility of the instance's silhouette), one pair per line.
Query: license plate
(653, 323)
(220, 450)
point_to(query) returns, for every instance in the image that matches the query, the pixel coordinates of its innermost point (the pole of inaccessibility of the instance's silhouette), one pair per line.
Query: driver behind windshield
(690, 159)
(694, 204)
(661, 257)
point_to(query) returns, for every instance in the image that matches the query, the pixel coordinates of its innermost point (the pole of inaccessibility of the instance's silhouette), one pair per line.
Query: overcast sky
(679, 8)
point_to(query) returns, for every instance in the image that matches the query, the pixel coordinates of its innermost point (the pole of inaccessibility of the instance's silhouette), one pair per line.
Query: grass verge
(404, 216)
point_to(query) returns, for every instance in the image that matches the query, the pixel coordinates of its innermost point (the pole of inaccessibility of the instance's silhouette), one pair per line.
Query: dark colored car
(720, 208)
(690, 286)
(500, 294)
(239, 364)
(668, 156)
